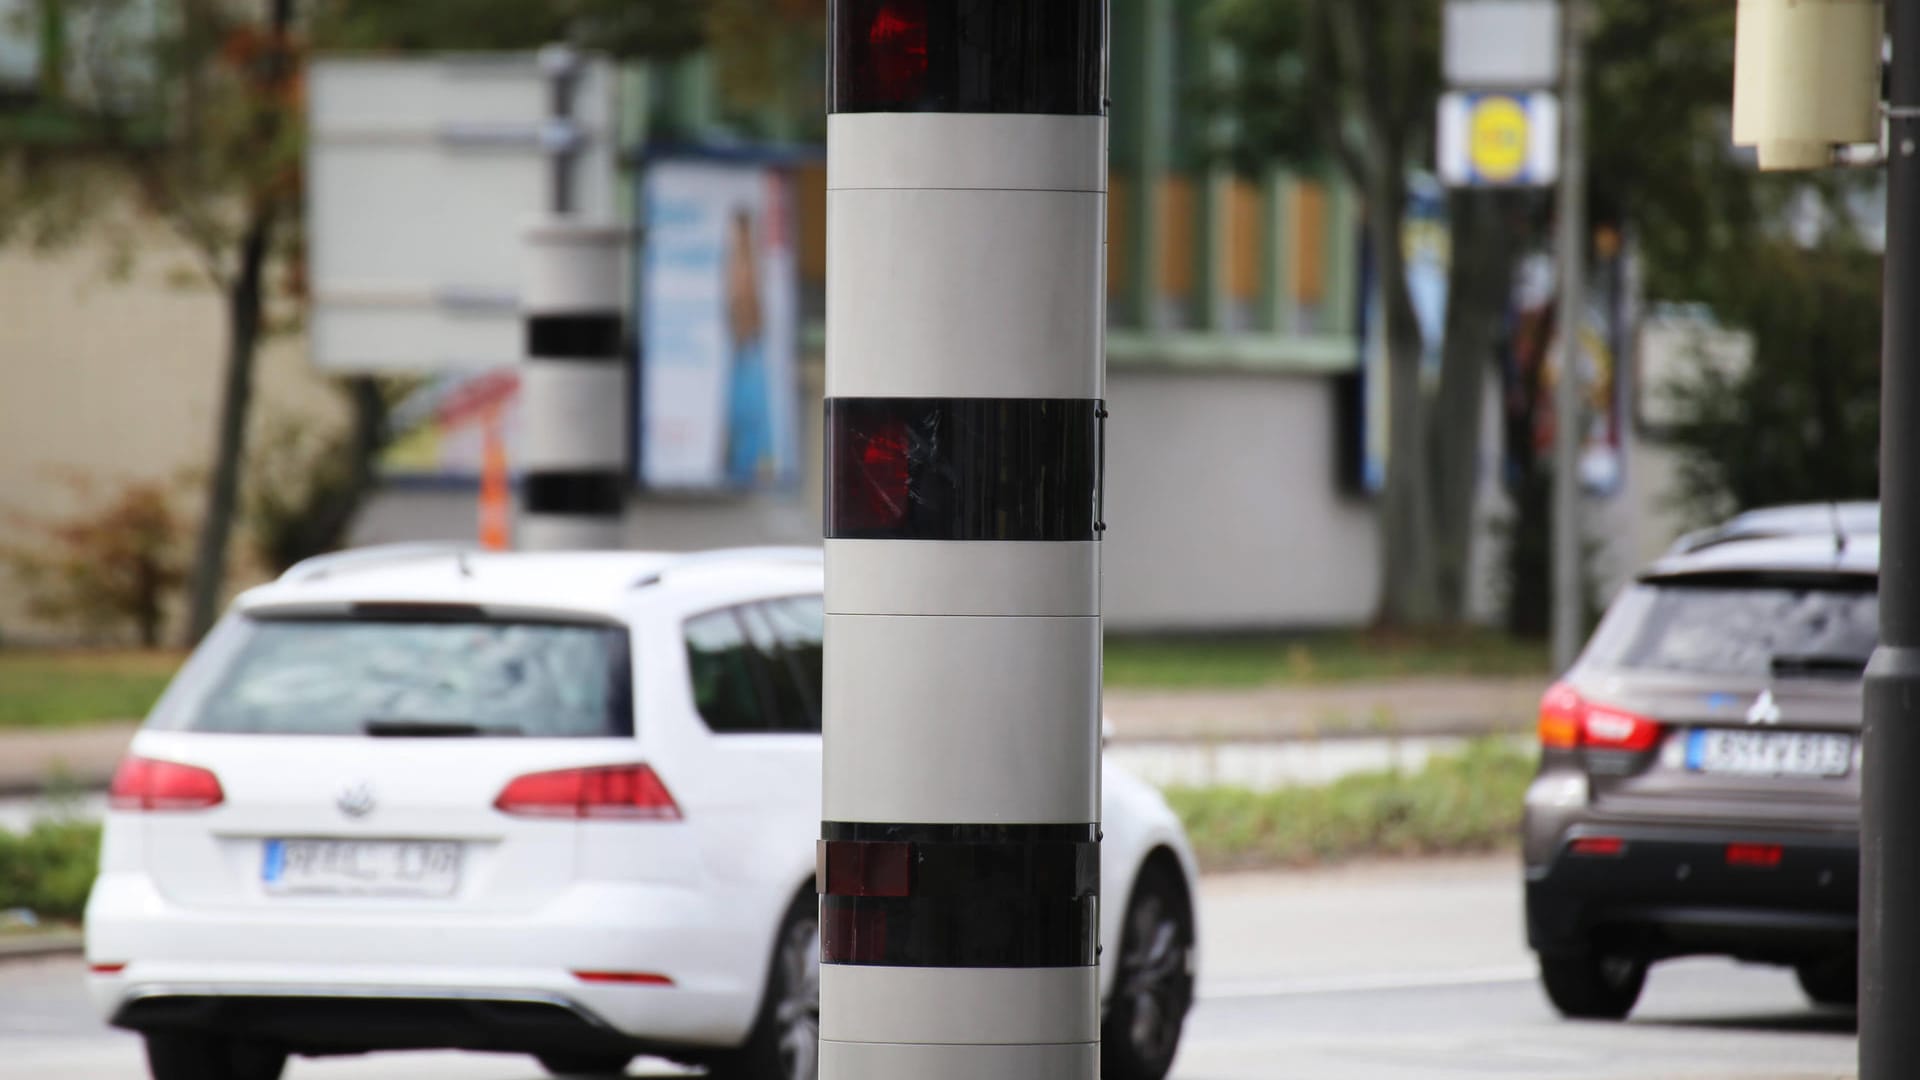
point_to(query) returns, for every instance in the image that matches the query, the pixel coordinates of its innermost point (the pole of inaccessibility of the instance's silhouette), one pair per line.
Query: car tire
(1153, 985)
(1832, 981)
(785, 1041)
(584, 1065)
(192, 1055)
(1592, 985)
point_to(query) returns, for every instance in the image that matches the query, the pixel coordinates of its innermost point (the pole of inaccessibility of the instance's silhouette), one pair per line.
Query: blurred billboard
(719, 292)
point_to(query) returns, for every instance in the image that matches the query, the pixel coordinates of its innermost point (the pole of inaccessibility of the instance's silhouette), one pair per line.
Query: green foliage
(1803, 423)
(1462, 803)
(1304, 660)
(305, 483)
(50, 868)
(70, 688)
(1313, 81)
(626, 28)
(113, 566)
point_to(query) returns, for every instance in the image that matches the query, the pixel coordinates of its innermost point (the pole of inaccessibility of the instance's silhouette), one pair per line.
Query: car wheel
(1592, 985)
(1833, 981)
(185, 1055)
(1153, 986)
(585, 1065)
(785, 1043)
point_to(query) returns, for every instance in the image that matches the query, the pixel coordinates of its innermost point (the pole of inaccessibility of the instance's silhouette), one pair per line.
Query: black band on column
(575, 336)
(963, 468)
(971, 56)
(592, 492)
(959, 895)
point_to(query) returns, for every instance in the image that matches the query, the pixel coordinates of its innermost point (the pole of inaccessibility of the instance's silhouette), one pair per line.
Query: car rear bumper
(334, 980)
(1674, 891)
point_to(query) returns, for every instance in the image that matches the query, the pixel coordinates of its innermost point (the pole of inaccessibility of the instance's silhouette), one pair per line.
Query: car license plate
(361, 867)
(1769, 753)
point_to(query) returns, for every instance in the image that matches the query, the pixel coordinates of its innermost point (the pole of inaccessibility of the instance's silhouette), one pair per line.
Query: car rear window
(406, 676)
(1722, 626)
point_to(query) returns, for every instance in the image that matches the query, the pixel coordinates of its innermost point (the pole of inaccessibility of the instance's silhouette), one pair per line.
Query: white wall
(1221, 507)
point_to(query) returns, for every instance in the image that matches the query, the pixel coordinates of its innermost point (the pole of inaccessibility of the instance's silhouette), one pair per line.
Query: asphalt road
(1388, 971)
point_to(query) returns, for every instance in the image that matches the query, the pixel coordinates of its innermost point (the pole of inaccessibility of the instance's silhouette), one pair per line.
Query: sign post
(1503, 126)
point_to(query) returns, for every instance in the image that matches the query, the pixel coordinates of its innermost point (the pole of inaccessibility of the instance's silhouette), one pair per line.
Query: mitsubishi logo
(356, 801)
(1764, 711)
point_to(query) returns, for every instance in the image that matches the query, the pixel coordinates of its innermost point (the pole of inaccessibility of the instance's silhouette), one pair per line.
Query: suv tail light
(604, 792)
(1569, 721)
(144, 784)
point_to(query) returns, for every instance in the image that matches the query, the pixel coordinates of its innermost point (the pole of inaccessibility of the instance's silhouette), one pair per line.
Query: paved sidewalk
(84, 757)
(1433, 706)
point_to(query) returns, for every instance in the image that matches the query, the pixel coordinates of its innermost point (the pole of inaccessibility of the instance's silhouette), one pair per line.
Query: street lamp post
(1890, 815)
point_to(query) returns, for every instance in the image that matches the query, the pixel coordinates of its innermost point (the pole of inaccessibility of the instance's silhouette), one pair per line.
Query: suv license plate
(1769, 753)
(300, 867)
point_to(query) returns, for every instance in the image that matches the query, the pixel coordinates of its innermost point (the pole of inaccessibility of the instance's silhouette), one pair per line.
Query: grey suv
(1699, 784)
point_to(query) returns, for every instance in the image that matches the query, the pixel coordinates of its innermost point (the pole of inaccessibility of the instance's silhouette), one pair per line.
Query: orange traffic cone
(496, 512)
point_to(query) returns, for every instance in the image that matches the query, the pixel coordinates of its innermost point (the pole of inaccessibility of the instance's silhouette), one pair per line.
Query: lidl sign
(1499, 138)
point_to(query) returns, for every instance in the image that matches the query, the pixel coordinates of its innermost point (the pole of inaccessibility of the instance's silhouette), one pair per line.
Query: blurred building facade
(1233, 490)
(1231, 330)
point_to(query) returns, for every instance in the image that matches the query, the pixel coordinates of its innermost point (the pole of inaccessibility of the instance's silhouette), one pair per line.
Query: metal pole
(1890, 810)
(561, 138)
(1567, 593)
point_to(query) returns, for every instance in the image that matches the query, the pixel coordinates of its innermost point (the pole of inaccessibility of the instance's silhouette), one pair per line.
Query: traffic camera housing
(1806, 79)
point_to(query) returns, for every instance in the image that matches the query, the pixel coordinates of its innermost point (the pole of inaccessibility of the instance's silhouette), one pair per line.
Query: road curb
(41, 946)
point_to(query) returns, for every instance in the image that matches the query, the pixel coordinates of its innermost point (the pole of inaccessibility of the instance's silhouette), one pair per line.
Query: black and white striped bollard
(959, 854)
(573, 389)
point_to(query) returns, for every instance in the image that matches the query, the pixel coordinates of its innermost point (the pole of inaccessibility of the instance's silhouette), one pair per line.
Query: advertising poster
(443, 430)
(719, 288)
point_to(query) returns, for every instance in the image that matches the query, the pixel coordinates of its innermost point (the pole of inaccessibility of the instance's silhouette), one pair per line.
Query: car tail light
(1601, 846)
(1763, 856)
(604, 792)
(107, 968)
(146, 785)
(624, 978)
(1569, 721)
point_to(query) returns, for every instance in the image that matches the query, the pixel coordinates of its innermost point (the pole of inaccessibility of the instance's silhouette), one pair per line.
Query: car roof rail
(361, 558)
(803, 556)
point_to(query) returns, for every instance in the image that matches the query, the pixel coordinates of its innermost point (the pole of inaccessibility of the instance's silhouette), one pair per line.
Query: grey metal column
(1890, 814)
(1569, 594)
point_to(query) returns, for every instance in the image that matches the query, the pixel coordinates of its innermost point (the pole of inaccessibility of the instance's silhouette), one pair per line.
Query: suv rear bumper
(1673, 892)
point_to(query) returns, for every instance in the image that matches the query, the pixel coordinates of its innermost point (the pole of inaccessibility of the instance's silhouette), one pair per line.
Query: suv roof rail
(806, 556)
(320, 566)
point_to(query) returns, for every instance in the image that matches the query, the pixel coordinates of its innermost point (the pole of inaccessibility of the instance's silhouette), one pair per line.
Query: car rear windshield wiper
(1818, 664)
(400, 727)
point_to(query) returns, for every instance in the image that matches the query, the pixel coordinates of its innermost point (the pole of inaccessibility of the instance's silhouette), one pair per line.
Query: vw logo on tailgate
(356, 801)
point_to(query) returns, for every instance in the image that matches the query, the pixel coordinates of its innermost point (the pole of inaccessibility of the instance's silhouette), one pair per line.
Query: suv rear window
(1720, 626)
(400, 676)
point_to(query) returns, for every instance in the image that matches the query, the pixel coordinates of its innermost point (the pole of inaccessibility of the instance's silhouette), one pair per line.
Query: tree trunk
(245, 301)
(1409, 595)
(1479, 284)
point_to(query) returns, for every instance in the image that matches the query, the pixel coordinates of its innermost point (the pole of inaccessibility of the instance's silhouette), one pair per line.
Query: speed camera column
(959, 851)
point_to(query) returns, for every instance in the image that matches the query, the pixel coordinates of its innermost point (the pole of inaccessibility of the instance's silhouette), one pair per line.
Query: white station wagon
(555, 804)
